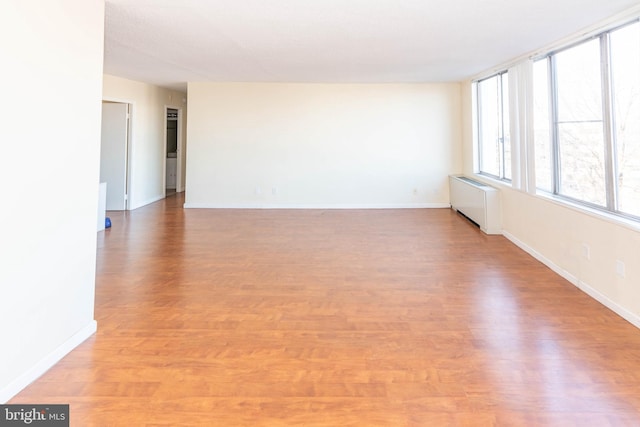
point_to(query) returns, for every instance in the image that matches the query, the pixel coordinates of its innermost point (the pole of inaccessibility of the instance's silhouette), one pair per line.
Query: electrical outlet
(586, 251)
(620, 268)
(258, 190)
(274, 191)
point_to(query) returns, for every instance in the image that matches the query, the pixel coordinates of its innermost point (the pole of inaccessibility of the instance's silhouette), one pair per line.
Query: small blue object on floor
(107, 222)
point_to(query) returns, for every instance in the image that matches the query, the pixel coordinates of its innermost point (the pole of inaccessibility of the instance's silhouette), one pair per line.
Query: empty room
(321, 213)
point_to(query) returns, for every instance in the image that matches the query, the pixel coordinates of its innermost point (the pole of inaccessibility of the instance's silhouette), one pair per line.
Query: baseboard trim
(148, 202)
(316, 206)
(583, 286)
(612, 305)
(45, 364)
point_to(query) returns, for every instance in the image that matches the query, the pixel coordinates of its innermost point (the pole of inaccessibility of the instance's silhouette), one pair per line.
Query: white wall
(148, 155)
(555, 234)
(51, 84)
(321, 145)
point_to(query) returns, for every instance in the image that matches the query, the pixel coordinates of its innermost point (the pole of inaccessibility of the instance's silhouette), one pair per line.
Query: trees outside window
(586, 101)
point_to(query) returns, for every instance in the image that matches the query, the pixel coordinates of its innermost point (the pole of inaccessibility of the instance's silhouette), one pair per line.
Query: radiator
(477, 201)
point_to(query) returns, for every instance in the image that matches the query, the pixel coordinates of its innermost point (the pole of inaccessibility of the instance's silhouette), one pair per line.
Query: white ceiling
(171, 42)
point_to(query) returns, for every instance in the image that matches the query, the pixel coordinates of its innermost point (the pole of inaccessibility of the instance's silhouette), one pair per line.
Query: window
(587, 121)
(625, 80)
(579, 123)
(493, 126)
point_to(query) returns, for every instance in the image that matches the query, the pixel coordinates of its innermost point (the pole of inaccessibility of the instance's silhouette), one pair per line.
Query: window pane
(541, 125)
(580, 126)
(625, 66)
(506, 130)
(582, 166)
(489, 122)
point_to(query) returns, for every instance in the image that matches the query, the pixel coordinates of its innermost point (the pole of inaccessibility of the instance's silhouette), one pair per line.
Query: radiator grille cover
(477, 201)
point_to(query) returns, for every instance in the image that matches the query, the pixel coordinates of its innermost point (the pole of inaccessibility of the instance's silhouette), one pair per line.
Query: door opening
(114, 154)
(173, 145)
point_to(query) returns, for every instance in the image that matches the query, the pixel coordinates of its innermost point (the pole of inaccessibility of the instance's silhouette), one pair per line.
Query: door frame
(179, 150)
(130, 114)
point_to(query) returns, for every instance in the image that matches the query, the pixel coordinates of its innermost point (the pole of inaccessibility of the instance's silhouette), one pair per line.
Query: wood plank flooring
(337, 318)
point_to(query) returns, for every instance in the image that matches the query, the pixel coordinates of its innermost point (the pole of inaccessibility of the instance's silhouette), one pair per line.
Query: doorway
(173, 149)
(114, 154)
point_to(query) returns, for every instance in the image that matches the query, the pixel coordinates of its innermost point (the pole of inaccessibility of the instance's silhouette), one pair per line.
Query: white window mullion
(501, 133)
(555, 147)
(611, 184)
(528, 148)
(521, 119)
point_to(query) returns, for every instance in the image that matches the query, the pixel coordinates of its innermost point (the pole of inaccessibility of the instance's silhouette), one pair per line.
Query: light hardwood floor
(337, 318)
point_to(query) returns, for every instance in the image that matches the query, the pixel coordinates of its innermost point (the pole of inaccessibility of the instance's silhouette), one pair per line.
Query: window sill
(594, 213)
(622, 221)
(494, 182)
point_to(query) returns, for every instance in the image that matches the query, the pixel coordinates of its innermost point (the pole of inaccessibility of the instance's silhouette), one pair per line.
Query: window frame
(501, 128)
(608, 118)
